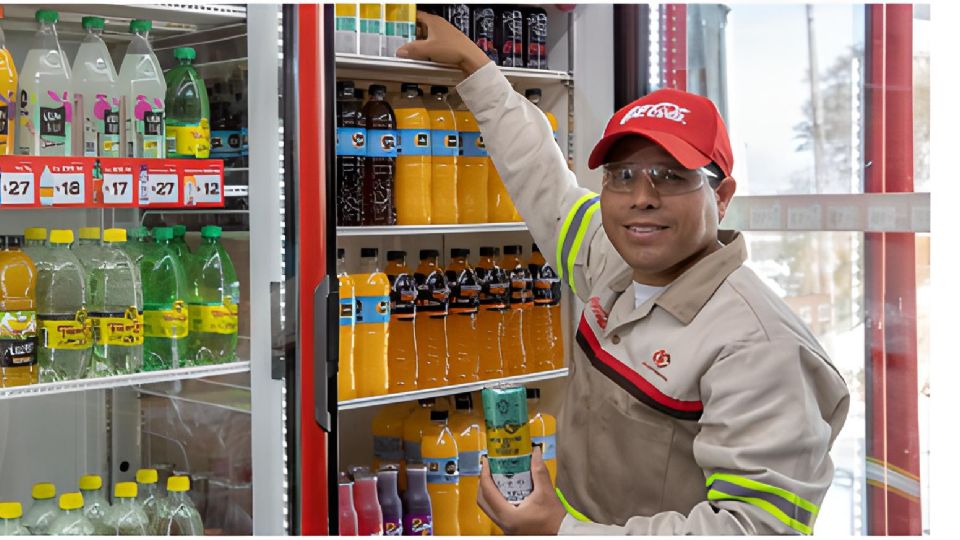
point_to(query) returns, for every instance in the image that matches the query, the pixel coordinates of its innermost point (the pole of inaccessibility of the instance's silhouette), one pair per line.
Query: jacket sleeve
(563, 217)
(763, 445)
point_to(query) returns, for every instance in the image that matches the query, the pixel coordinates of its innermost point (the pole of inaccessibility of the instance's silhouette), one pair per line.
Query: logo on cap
(665, 110)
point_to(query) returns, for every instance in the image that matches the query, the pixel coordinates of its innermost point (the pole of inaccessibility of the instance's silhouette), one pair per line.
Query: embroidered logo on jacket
(661, 358)
(598, 312)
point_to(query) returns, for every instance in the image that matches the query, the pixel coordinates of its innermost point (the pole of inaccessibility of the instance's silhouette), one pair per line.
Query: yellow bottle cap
(125, 490)
(90, 233)
(147, 476)
(178, 483)
(61, 236)
(115, 235)
(71, 501)
(44, 491)
(90, 482)
(35, 233)
(10, 510)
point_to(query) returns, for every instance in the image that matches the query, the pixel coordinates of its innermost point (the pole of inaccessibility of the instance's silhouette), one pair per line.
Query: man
(697, 403)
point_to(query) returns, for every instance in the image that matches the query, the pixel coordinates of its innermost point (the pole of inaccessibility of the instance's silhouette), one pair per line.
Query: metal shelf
(448, 390)
(399, 230)
(104, 383)
(358, 66)
(167, 17)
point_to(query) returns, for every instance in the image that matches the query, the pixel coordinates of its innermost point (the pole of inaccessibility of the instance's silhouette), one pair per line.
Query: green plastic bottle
(165, 322)
(10, 522)
(188, 109)
(180, 241)
(214, 298)
(139, 242)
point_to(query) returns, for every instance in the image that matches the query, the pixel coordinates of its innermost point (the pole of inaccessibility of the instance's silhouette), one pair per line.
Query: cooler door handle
(325, 351)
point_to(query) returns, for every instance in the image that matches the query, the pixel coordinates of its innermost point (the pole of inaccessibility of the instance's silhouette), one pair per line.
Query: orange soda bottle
(473, 167)
(433, 296)
(387, 430)
(494, 306)
(515, 342)
(462, 346)
(543, 431)
(445, 148)
(346, 378)
(402, 347)
(469, 430)
(547, 337)
(412, 178)
(371, 332)
(441, 456)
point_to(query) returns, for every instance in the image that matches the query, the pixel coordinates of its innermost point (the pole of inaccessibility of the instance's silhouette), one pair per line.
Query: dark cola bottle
(381, 163)
(351, 155)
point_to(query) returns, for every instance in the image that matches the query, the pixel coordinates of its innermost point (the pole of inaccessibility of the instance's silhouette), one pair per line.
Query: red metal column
(673, 46)
(893, 451)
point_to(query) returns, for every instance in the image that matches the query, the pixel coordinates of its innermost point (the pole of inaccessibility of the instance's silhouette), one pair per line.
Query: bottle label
(18, 338)
(418, 524)
(190, 140)
(388, 448)
(549, 445)
(459, 16)
(393, 28)
(543, 290)
(511, 49)
(110, 129)
(346, 312)
(149, 127)
(433, 295)
(442, 471)
(446, 143)
(68, 332)
(483, 31)
(392, 527)
(470, 463)
(347, 24)
(473, 144)
(4, 120)
(53, 123)
(373, 309)
(383, 143)
(214, 318)
(171, 323)
(370, 26)
(351, 141)
(414, 142)
(118, 328)
(403, 297)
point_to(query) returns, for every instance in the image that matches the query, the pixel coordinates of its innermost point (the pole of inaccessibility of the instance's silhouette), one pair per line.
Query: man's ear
(724, 193)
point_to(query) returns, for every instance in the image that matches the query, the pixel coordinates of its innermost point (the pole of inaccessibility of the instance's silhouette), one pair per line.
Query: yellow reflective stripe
(715, 495)
(566, 225)
(793, 498)
(584, 225)
(571, 510)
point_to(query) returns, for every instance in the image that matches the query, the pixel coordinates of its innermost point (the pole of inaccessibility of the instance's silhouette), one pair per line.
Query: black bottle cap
(429, 253)
(369, 252)
(377, 89)
(396, 255)
(512, 250)
(345, 88)
(439, 416)
(535, 248)
(459, 252)
(487, 251)
(533, 393)
(434, 90)
(533, 92)
(408, 86)
(12, 241)
(463, 402)
(340, 253)
(427, 401)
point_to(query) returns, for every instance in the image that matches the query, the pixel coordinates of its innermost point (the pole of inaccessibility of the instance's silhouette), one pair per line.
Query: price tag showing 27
(17, 188)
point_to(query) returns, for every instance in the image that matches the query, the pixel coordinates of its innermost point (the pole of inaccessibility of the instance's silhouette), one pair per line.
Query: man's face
(661, 236)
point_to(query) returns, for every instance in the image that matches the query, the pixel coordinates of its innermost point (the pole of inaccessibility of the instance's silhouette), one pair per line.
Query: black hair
(720, 176)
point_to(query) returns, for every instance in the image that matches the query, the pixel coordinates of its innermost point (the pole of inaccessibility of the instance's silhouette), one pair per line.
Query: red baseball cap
(686, 125)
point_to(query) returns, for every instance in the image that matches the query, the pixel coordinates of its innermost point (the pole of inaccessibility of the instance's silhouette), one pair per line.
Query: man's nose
(644, 195)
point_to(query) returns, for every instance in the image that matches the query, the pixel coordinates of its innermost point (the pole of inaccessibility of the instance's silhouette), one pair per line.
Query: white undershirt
(642, 292)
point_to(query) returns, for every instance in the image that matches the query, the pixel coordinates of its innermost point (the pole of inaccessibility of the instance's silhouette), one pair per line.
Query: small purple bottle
(417, 512)
(390, 505)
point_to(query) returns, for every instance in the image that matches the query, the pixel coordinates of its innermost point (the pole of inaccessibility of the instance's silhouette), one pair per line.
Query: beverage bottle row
(50, 104)
(402, 330)
(75, 310)
(374, 29)
(428, 461)
(138, 509)
(416, 160)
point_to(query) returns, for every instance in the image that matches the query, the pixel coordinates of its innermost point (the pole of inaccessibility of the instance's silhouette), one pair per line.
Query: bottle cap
(71, 501)
(115, 235)
(396, 255)
(512, 250)
(163, 233)
(184, 53)
(429, 253)
(377, 89)
(439, 416)
(125, 490)
(345, 88)
(366, 253)
(140, 25)
(35, 233)
(48, 16)
(179, 231)
(533, 393)
(341, 253)
(389, 467)
(11, 510)
(211, 231)
(496, 252)
(434, 90)
(407, 86)
(533, 92)
(91, 22)
(89, 233)
(61, 236)
(90, 482)
(138, 232)
(486, 251)
(43, 491)
(178, 483)
(147, 476)
(456, 253)
(463, 402)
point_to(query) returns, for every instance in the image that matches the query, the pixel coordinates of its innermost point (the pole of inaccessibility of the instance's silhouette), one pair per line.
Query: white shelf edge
(396, 230)
(119, 381)
(360, 61)
(448, 390)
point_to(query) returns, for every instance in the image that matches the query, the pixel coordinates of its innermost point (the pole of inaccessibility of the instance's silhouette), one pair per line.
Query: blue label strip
(473, 144)
(442, 471)
(549, 445)
(413, 142)
(351, 141)
(382, 143)
(445, 143)
(373, 309)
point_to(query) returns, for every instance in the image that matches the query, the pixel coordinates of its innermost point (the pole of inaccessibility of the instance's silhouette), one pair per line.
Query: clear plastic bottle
(165, 319)
(64, 347)
(45, 123)
(8, 96)
(71, 521)
(95, 503)
(126, 517)
(95, 87)
(142, 83)
(150, 497)
(139, 243)
(179, 516)
(188, 109)
(44, 509)
(213, 295)
(10, 520)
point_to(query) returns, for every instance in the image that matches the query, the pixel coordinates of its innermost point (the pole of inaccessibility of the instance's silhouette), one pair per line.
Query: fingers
(496, 502)
(414, 50)
(541, 476)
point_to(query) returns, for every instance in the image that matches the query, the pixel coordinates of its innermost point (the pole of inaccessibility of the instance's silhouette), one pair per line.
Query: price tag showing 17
(118, 188)
(17, 188)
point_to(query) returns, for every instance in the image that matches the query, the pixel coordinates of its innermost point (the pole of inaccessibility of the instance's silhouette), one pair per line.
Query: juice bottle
(95, 504)
(11, 514)
(433, 296)
(413, 173)
(369, 516)
(18, 316)
(543, 431)
(413, 428)
(96, 89)
(390, 505)
(44, 509)
(535, 38)
(494, 306)
(45, 111)
(401, 27)
(445, 147)
(71, 521)
(8, 96)
(371, 332)
(346, 377)
(378, 177)
(441, 456)
(417, 506)
(468, 429)
(65, 338)
(351, 154)
(483, 31)
(371, 29)
(213, 298)
(187, 109)
(473, 166)
(348, 514)
(464, 353)
(402, 346)
(345, 27)
(145, 89)
(166, 324)
(508, 36)
(513, 344)
(387, 430)
(546, 329)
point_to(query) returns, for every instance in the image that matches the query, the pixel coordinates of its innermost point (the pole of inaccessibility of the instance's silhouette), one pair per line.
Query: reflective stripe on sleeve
(794, 511)
(572, 232)
(571, 510)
